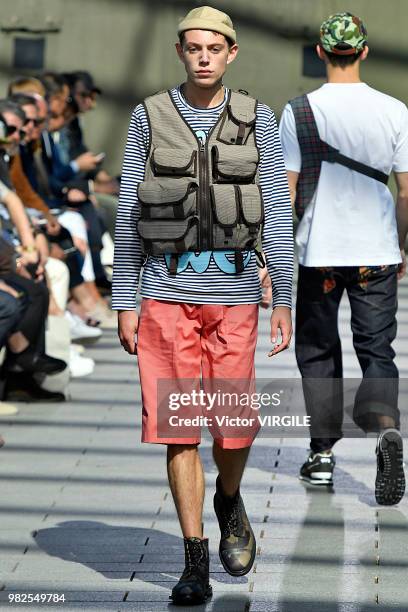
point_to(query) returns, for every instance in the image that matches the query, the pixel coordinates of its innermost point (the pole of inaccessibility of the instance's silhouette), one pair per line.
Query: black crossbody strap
(334, 156)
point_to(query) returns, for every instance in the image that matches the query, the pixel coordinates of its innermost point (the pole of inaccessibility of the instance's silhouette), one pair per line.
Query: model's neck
(203, 98)
(350, 74)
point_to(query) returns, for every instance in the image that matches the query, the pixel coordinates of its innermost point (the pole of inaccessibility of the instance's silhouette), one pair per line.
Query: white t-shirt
(351, 218)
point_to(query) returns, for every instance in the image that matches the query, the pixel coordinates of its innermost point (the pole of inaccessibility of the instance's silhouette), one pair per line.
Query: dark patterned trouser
(372, 293)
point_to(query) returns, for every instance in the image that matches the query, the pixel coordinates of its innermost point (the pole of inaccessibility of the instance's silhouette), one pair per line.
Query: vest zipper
(204, 204)
(205, 239)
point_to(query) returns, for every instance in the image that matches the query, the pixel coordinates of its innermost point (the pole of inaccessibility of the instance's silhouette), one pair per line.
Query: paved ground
(85, 509)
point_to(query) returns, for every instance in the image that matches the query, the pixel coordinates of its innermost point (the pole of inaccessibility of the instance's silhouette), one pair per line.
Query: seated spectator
(23, 355)
(57, 235)
(84, 93)
(26, 344)
(51, 216)
(76, 195)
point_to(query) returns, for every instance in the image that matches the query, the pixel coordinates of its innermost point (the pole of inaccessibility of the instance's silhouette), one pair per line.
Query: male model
(340, 144)
(203, 190)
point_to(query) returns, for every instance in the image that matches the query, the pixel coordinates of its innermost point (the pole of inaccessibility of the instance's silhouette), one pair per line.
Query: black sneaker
(318, 469)
(194, 585)
(237, 545)
(390, 481)
(32, 363)
(23, 388)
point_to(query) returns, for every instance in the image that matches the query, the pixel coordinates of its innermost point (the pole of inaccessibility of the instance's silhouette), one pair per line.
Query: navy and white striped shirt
(209, 278)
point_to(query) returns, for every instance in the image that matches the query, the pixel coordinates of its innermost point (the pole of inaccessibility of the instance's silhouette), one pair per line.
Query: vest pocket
(225, 205)
(238, 216)
(174, 162)
(167, 199)
(236, 126)
(234, 163)
(251, 204)
(160, 237)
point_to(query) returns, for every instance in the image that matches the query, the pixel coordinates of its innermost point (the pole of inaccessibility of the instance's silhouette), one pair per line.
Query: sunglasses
(86, 94)
(36, 122)
(12, 129)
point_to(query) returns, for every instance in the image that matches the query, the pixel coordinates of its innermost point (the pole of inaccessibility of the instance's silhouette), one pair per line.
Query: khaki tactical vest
(201, 196)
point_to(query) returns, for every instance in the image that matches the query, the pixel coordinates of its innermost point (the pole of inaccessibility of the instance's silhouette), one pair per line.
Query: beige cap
(208, 18)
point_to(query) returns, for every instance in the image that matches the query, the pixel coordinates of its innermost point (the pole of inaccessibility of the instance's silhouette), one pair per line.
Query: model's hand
(281, 320)
(22, 270)
(402, 267)
(28, 257)
(266, 285)
(128, 323)
(87, 161)
(57, 252)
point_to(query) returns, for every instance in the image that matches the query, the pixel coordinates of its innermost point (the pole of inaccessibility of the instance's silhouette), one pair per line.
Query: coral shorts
(179, 345)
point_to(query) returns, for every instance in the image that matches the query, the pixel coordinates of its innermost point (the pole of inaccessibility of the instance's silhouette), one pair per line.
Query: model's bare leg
(18, 343)
(83, 297)
(53, 308)
(385, 422)
(186, 479)
(94, 292)
(231, 465)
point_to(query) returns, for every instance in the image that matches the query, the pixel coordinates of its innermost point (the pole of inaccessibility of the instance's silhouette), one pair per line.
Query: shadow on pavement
(118, 552)
(329, 545)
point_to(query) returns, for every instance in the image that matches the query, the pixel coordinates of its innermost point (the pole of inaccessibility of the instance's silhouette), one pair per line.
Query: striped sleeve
(128, 255)
(277, 237)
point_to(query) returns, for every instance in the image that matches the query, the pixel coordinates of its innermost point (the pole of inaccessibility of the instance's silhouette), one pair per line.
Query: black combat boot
(194, 586)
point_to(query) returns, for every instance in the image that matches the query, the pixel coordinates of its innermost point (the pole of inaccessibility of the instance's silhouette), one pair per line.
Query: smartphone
(70, 250)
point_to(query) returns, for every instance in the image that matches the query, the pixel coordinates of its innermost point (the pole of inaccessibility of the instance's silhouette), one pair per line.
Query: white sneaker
(7, 409)
(79, 330)
(78, 348)
(80, 366)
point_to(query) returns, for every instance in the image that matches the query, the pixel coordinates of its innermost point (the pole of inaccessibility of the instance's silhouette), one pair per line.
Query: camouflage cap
(343, 34)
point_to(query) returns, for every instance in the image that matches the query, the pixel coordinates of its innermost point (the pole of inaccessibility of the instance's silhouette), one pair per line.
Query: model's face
(56, 117)
(14, 138)
(85, 99)
(30, 127)
(205, 56)
(42, 116)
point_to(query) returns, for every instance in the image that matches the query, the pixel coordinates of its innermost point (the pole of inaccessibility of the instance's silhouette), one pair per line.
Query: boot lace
(234, 524)
(195, 556)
